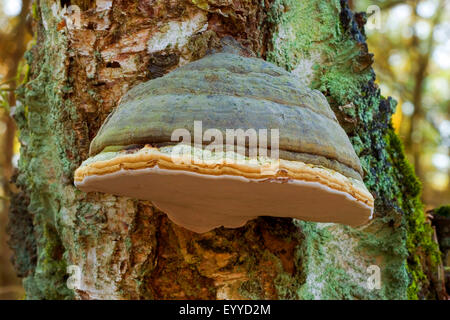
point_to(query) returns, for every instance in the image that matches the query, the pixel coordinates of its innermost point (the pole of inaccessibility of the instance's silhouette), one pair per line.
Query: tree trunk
(125, 248)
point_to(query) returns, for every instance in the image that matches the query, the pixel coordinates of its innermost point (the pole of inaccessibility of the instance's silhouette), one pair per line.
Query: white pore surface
(201, 202)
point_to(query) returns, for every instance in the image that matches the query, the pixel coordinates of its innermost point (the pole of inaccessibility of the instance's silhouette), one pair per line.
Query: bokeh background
(411, 44)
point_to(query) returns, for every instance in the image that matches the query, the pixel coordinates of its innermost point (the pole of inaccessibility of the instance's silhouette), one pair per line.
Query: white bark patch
(98, 285)
(177, 33)
(102, 21)
(285, 34)
(56, 10)
(111, 250)
(349, 258)
(304, 70)
(127, 68)
(102, 5)
(130, 44)
(339, 252)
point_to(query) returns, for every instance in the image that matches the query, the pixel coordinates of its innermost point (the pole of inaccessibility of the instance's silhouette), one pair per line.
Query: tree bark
(127, 249)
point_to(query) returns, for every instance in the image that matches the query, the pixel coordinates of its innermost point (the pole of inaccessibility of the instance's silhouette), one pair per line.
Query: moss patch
(443, 211)
(341, 70)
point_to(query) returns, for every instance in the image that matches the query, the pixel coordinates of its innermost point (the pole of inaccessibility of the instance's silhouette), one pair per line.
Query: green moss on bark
(419, 243)
(45, 166)
(334, 57)
(443, 211)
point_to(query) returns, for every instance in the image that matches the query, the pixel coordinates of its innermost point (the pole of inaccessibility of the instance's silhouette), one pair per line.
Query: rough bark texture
(126, 248)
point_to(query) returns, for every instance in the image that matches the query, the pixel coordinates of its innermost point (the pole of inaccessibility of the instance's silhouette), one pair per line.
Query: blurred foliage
(411, 44)
(14, 36)
(4, 94)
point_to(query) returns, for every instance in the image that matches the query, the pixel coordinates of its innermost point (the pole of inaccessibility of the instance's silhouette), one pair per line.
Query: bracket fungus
(312, 172)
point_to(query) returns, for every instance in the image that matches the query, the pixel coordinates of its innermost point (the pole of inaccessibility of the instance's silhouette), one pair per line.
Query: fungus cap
(318, 176)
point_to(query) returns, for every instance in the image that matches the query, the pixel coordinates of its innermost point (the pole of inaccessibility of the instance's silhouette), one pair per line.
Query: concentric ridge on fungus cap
(228, 91)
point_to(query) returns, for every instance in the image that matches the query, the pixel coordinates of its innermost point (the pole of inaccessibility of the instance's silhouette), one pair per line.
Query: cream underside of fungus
(192, 197)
